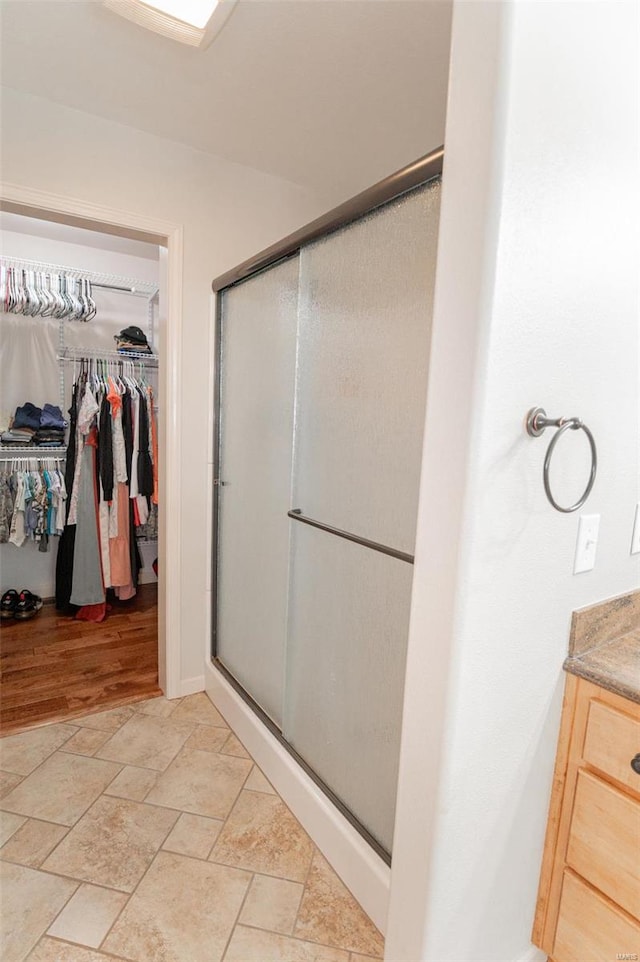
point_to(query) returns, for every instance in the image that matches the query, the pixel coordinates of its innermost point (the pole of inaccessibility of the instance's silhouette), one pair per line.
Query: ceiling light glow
(196, 12)
(194, 22)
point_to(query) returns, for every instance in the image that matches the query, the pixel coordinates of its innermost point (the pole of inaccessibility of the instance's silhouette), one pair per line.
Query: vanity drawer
(591, 929)
(604, 841)
(612, 740)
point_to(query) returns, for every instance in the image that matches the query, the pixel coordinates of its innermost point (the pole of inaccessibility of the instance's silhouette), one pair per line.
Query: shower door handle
(297, 515)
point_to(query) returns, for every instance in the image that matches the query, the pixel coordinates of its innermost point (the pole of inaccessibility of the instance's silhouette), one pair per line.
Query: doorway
(168, 237)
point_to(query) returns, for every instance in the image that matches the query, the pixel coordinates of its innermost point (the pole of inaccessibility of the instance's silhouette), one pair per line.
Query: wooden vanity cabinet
(588, 906)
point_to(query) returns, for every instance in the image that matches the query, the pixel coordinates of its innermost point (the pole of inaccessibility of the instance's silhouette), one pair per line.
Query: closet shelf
(76, 353)
(9, 451)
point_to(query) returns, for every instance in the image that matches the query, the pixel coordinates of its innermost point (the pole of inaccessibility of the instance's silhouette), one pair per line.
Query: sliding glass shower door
(258, 341)
(317, 513)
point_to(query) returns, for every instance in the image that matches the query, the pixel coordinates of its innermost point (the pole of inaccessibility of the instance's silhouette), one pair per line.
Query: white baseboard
(360, 868)
(533, 955)
(189, 686)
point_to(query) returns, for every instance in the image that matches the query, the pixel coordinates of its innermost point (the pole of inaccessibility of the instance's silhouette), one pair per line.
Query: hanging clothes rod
(18, 452)
(112, 282)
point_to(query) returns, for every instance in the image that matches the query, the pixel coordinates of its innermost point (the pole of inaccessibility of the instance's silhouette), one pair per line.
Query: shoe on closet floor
(9, 603)
(28, 605)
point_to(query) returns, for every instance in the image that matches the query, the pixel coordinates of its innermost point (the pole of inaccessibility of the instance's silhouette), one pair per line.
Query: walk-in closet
(79, 450)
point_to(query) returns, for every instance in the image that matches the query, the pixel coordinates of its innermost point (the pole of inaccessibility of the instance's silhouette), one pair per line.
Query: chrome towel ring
(536, 423)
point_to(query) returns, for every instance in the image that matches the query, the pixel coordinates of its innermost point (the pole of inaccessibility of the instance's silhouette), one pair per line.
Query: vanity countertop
(614, 665)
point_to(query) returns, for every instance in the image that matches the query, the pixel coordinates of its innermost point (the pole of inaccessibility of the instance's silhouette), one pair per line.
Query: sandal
(28, 605)
(8, 603)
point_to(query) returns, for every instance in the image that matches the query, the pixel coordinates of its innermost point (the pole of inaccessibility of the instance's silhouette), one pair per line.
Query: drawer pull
(635, 763)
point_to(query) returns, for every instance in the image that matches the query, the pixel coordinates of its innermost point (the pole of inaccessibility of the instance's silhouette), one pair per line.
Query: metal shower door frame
(419, 173)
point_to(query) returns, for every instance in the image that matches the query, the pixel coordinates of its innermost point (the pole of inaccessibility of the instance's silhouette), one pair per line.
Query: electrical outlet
(635, 537)
(587, 543)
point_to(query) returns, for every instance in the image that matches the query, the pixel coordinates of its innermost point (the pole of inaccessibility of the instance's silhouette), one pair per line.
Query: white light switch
(587, 543)
(635, 537)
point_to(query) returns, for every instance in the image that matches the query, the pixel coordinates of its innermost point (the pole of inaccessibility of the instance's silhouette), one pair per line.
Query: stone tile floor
(147, 833)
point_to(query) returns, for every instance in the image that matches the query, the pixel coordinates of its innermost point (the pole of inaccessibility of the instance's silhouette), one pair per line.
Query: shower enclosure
(323, 353)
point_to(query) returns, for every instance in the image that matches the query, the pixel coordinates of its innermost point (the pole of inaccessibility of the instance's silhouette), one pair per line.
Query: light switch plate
(587, 543)
(635, 538)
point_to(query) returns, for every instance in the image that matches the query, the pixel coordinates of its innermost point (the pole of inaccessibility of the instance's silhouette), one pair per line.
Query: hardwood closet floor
(53, 667)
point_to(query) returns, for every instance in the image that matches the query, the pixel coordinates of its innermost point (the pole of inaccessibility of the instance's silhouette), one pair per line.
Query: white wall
(536, 303)
(228, 212)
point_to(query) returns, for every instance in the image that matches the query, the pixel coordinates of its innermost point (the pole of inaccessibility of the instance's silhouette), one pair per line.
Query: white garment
(59, 496)
(88, 410)
(103, 519)
(119, 450)
(60, 510)
(73, 506)
(18, 536)
(143, 508)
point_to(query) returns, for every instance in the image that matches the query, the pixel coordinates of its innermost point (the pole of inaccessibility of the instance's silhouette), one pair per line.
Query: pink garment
(124, 594)
(119, 546)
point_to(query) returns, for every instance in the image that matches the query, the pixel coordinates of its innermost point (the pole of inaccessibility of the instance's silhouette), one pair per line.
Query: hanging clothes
(109, 486)
(87, 584)
(66, 546)
(31, 503)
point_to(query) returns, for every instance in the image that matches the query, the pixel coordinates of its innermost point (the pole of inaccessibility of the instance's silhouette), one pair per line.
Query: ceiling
(330, 94)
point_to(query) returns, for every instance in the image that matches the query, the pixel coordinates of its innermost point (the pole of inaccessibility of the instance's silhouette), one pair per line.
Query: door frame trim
(32, 202)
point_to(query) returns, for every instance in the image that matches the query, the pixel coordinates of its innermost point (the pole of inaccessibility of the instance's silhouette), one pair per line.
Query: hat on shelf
(132, 339)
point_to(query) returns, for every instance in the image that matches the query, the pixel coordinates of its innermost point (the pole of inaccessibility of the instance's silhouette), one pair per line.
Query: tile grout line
(60, 911)
(84, 812)
(228, 816)
(304, 941)
(68, 878)
(75, 945)
(38, 867)
(238, 914)
(304, 885)
(140, 880)
(40, 764)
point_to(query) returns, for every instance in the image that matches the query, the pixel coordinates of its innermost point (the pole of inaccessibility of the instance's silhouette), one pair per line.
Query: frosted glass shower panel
(349, 615)
(258, 359)
(366, 296)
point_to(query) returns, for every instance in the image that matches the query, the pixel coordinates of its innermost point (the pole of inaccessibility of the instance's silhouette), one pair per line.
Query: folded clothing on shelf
(15, 438)
(132, 340)
(124, 347)
(27, 416)
(51, 417)
(33, 425)
(49, 436)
